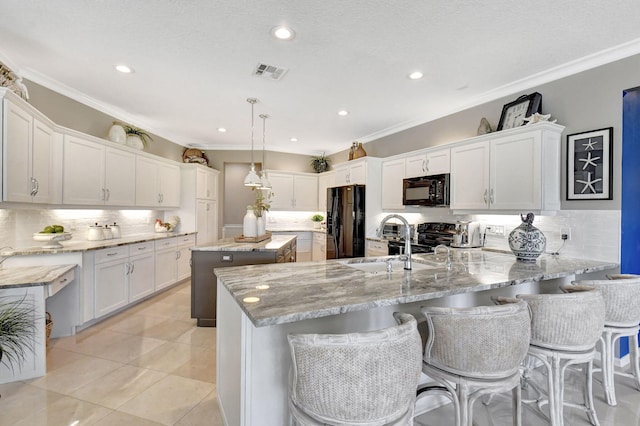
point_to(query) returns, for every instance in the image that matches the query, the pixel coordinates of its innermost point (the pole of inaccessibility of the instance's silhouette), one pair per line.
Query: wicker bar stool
(476, 351)
(365, 379)
(564, 331)
(621, 296)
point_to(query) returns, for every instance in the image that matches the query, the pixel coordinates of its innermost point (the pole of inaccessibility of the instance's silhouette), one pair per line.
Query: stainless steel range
(429, 235)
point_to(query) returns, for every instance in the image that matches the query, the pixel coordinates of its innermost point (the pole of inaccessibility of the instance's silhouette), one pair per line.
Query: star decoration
(589, 161)
(588, 184)
(590, 144)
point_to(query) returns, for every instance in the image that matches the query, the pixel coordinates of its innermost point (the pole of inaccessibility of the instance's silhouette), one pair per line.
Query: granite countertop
(275, 243)
(305, 290)
(298, 229)
(31, 276)
(70, 246)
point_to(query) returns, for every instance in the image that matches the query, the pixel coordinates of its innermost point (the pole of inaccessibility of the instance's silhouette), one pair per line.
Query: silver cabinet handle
(127, 268)
(426, 165)
(112, 254)
(159, 198)
(133, 267)
(491, 196)
(108, 194)
(104, 194)
(485, 196)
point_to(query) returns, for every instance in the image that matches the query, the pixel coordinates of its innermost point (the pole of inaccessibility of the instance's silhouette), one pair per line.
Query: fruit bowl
(52, 240)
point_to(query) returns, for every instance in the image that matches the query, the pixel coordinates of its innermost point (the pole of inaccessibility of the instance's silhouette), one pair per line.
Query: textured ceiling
(194, 60)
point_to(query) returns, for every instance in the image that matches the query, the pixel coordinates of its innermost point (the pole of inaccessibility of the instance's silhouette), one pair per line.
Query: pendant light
(252, 179)
(264, 181)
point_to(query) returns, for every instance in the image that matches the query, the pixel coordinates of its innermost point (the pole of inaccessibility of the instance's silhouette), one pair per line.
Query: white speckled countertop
(30, 276)
(84, 245)
(275, 243)
(297, 291)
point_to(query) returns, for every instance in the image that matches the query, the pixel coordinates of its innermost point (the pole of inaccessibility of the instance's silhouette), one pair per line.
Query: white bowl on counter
(52, 240)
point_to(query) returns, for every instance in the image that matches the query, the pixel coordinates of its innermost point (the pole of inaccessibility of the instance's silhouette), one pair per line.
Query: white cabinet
(393, 172)
(376, 248)
(141, 271)
(111, 283)
(303, 245)
(319, 246)
(353, 172)
(325, 181)
(518, 169)
(94, 174)
(432, 162)
(166, 262)
(184, 256)
(206, 220)
(157, 183)
(206, 183)
(198, 210)
(293, 191)
(28, 156)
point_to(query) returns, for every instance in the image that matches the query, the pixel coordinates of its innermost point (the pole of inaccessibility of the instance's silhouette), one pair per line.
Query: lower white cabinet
(319, 246)
(184, 256)
(141, 273)
(111, 281)
(166, 262)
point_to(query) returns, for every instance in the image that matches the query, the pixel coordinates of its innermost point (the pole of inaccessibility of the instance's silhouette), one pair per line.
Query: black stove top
(430, 234)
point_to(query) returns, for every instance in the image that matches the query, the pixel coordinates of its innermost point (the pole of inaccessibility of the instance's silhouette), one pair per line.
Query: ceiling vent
(270, 72)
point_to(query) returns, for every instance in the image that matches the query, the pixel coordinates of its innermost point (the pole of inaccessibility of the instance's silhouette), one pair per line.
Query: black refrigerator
(345, 221)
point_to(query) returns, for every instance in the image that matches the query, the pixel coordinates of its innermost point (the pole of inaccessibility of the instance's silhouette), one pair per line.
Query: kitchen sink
(378, 265)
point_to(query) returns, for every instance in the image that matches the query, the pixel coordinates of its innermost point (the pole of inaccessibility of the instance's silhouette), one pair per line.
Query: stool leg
(463, 405)
(608, 368)
(588, 398)
(634, 352)
(556, 392)
(517, 405)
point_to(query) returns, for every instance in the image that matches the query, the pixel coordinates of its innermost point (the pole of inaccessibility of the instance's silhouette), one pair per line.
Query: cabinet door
(42, 164)
(17, 150)
(83, 172)
(147, 190)
(376, 248)
(141, 275)
(438, 162)
(341, 176)
(213, 185)
(120, 177)
(184, 262)
(393, 172)
(415, 166)
(325, 181)
(305, 190)
(358, 174)
(281, 190)
(470, 176)
(169, 182)
(166, 268)
(110, 286)
(206, 184)
(516, 184)
(206, 221)
(319, 246)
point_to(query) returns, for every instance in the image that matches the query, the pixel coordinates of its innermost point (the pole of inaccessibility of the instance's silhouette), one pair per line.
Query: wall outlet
(494, 230)
(565, 233)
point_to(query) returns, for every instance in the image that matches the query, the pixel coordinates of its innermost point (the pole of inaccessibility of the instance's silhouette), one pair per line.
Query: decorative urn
(526, 241)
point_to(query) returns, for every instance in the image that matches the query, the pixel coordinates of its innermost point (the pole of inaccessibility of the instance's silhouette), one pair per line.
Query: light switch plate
(497, 230)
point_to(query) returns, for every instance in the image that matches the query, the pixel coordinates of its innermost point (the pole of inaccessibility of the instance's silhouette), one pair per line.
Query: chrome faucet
(407, 237)
(447, 262)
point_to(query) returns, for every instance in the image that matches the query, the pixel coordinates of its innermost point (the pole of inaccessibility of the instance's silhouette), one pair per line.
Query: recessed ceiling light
(343, 112)
(124, 69)
(416, 75)
(222, 129)
(294, 139)
(283, 33)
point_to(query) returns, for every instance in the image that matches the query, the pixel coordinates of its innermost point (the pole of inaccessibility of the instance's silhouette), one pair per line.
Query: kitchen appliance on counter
(429, 235)
(467, 235)
(430, 191)
(345, 221)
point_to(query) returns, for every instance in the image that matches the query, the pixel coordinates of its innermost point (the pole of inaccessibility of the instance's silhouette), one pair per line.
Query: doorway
(236, 197)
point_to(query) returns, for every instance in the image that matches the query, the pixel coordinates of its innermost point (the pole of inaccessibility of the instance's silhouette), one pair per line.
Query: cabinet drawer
(109, 254)
(167, 243)
(187, 240)
(141, 248)
(61, 283)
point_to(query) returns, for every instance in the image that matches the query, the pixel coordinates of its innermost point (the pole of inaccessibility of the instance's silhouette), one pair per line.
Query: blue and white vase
(526, 241)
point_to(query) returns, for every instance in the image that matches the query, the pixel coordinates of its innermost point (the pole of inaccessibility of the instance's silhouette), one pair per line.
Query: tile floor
(151, 365)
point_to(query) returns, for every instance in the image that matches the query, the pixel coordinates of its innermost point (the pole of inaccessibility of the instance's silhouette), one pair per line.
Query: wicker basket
(48, 326)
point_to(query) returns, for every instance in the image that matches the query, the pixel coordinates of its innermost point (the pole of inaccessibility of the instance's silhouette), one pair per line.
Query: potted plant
(261, 205)
(320, 164)
(317, 220)
(136, 138)
(17, 331)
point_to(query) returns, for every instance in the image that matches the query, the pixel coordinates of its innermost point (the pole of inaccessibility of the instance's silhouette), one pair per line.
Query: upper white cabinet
(518, 169)
(95, 174)
(293, 191)
(393, 171)
(325, 181)
(157, 183)
(432, 162)
(353, 172)
(206, 183)
(29, 156)
(198, 210)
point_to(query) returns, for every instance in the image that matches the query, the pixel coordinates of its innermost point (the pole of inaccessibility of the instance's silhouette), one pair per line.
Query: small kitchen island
(258, 306)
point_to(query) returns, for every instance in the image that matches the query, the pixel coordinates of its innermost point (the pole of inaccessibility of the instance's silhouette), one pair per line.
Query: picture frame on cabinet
(590, 165)
(514, 113)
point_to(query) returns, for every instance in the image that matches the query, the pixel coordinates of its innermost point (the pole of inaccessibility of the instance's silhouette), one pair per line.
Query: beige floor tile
(127, 349)
(158, 309)
(124, 419)
(178, 299)
(201, 366)
(89, 342)
(66, 411)
(57, 358)
(206, 413)
(199, 336)
(168, 357)
(133, 324)
(168, 400)
(20, 400)
(169, 329)
(117, 387)
(76, 374)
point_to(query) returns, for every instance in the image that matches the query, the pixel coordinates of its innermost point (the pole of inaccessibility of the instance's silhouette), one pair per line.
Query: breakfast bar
(259, 305)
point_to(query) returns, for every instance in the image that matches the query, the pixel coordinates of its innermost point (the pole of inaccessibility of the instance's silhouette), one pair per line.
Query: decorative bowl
(52, 240)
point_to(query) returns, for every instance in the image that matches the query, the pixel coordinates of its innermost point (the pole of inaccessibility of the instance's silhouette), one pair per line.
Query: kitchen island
(258, 306)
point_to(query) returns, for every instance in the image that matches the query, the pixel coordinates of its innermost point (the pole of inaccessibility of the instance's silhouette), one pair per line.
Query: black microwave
(432, 191)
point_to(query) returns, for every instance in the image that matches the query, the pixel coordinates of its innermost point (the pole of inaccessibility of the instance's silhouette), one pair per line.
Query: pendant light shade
(252, 179)
(264, 181)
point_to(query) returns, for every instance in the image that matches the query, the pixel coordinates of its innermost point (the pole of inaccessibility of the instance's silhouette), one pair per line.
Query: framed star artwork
(590, 165)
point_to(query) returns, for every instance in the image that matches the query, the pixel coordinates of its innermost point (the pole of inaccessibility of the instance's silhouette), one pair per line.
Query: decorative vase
(134, 141)
(316, 225)
(250, 223)
(117, 134)
(261, 225)
(359, 152)
(526, 241)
